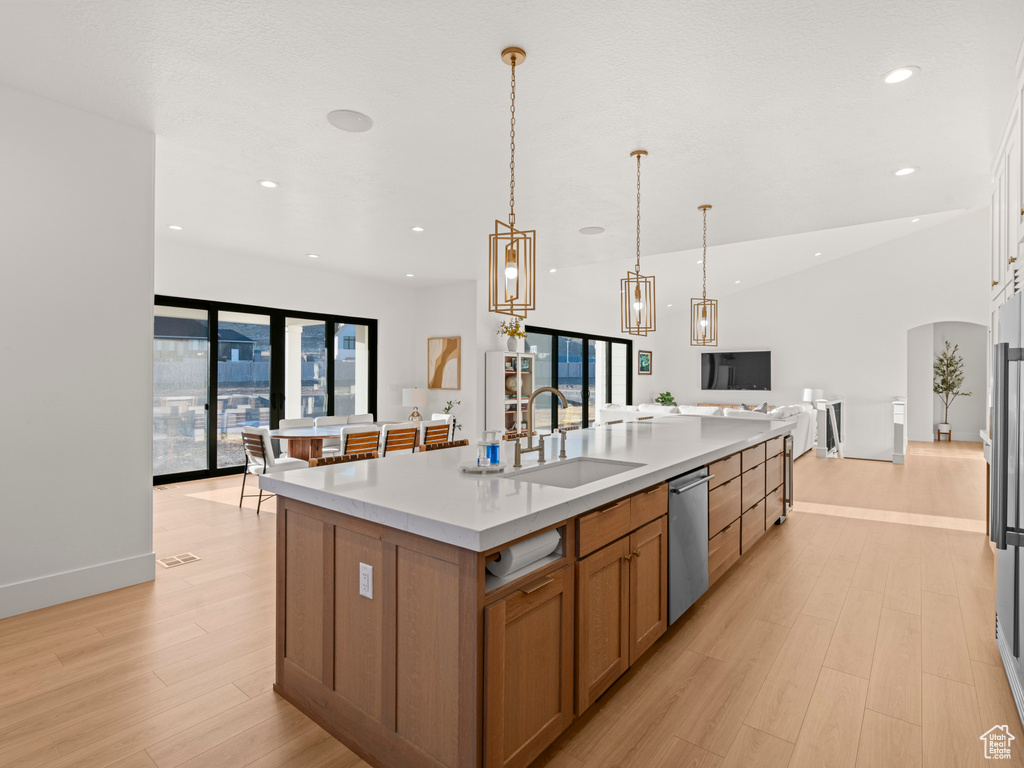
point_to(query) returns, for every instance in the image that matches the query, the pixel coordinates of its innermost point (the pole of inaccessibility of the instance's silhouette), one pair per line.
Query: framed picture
(444, 362)
(643, 362)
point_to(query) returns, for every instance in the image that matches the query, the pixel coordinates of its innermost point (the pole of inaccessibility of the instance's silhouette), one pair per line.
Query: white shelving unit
(508, 384)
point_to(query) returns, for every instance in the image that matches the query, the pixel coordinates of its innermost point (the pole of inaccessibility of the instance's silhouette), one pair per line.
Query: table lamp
(414, 398)
(810, 395)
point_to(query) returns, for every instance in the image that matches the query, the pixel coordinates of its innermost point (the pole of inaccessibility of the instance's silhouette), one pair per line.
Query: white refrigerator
(1006, 520)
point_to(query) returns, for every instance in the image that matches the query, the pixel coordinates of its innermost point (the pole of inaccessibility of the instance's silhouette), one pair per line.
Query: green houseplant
(665, 398)
(455, 422)
(948, 378)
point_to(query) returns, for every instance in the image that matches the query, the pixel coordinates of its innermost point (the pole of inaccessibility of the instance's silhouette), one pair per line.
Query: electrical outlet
(366, 580)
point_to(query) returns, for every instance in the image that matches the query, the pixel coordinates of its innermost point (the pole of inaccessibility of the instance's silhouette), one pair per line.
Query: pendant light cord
(638, 214)
(704, 262)
(512, 146)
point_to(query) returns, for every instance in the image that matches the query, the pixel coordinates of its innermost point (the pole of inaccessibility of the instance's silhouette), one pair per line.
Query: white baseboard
(24, 596)
(967, 437)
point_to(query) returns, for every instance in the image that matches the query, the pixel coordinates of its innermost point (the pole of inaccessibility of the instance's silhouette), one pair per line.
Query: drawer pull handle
(636, 554)
(627, 558)
(654, 491)
(535, 587)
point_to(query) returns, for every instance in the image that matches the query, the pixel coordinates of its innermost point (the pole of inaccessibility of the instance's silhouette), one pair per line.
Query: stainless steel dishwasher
(687, 540)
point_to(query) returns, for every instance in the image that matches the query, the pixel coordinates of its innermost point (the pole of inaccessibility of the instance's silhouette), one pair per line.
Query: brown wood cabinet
(724, 505)
(622, 607)
(752, 527)
(753, 487)
(723, 551)
(528, 670)
(602, 630)
(648, 586)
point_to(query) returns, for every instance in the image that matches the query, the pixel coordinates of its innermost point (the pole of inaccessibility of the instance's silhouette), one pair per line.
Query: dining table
(308, 442)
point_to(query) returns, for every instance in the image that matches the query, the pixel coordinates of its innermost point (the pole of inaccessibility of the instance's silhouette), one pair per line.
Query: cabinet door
(602, 627)
(528, 670)
(648, 586)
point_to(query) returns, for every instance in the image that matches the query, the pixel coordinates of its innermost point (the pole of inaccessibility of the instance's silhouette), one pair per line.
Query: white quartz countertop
(427, 494)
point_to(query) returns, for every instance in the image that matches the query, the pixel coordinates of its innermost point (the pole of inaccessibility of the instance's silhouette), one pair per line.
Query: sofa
(802, 414)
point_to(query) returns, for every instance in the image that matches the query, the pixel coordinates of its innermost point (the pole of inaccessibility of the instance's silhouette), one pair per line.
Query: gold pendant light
(704, 311)
(512, 261)
(636, 291)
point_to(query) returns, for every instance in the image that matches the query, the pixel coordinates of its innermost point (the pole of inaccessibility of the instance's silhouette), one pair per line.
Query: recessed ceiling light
(348, 120)
(409, 274)
(914, 221)
(416, 229)
(901, 74)
(552, 270)
(268, 183)
(173, 226)
(700, 261)
(592, 230)
(818, 253)
(313, 255)
(669, 305)
(905, 171)
(737, 282)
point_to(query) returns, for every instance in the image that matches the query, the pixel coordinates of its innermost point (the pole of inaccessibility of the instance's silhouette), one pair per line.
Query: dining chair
(449, 444)
(399, 437)
(259, 459)
(449, 419)
(290, 424)
(434, 431)
(358, 439)
(360, 418)
(644, 418)
(332, 445)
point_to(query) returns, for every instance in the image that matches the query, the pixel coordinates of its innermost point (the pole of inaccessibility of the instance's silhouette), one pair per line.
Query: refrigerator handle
(1000, 433)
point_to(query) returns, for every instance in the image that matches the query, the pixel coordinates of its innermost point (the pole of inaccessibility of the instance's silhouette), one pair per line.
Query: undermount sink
(572, 473)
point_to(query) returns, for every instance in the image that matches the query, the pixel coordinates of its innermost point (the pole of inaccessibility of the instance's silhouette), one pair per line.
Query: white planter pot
(516, 344)
(944, 428)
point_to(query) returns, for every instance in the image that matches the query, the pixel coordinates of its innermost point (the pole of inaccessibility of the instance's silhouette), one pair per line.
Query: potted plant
(665, 398)
(948, 378)
(513, 329)
(455, 422)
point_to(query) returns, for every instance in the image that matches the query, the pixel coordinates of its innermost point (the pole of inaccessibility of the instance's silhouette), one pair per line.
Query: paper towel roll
(524, 553)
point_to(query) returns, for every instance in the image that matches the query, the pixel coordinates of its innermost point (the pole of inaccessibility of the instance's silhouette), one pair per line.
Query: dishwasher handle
(693, 485)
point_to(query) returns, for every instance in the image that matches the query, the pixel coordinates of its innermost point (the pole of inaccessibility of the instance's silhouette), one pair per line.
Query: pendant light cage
(512, 252)
(636, 291)
(704, 311)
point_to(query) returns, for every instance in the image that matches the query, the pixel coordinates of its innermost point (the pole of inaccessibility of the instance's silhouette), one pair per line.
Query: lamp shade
(414, 398)
(808, 395)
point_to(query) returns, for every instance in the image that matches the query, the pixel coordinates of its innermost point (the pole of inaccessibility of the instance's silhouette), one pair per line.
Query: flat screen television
(736, 370)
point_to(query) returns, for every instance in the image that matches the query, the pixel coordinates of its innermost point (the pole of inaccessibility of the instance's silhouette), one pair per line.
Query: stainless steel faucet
(529, 428)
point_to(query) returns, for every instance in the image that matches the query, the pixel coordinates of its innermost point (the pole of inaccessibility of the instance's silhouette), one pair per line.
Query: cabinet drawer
(723, 506)
(724, 470)
(648, 505)
(752, 457)
(753, 487)
(723, 551)
(773, 473)
(604, 526)
(752, 527)
(773, 447)
(774, 506)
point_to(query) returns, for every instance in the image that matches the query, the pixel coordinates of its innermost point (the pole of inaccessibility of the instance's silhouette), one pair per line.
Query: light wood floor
(837, 642)
(946, 478)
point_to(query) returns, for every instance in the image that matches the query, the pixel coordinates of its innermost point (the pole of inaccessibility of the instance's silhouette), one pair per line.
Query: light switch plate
(366, 580)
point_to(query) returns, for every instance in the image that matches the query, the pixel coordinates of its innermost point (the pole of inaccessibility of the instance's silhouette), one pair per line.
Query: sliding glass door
(266, 365)
(243, 381)
(589, 370)
(181, 389)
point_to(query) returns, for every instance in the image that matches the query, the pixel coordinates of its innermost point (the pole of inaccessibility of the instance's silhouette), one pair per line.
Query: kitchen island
(394, 636)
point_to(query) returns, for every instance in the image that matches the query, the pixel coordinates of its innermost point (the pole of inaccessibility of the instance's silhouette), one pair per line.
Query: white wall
(451, 310)
(76, 234)
(244, 279)
(920, 346)
(842, 326)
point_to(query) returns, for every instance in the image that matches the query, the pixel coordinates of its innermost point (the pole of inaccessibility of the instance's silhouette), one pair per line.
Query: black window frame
(586, 338)
(277, 368)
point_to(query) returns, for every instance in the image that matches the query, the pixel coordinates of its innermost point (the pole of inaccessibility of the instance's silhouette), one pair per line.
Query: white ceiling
(774, 111)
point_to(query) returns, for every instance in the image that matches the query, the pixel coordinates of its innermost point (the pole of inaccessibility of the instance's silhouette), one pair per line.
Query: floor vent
(164, 487)
(170, 562)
